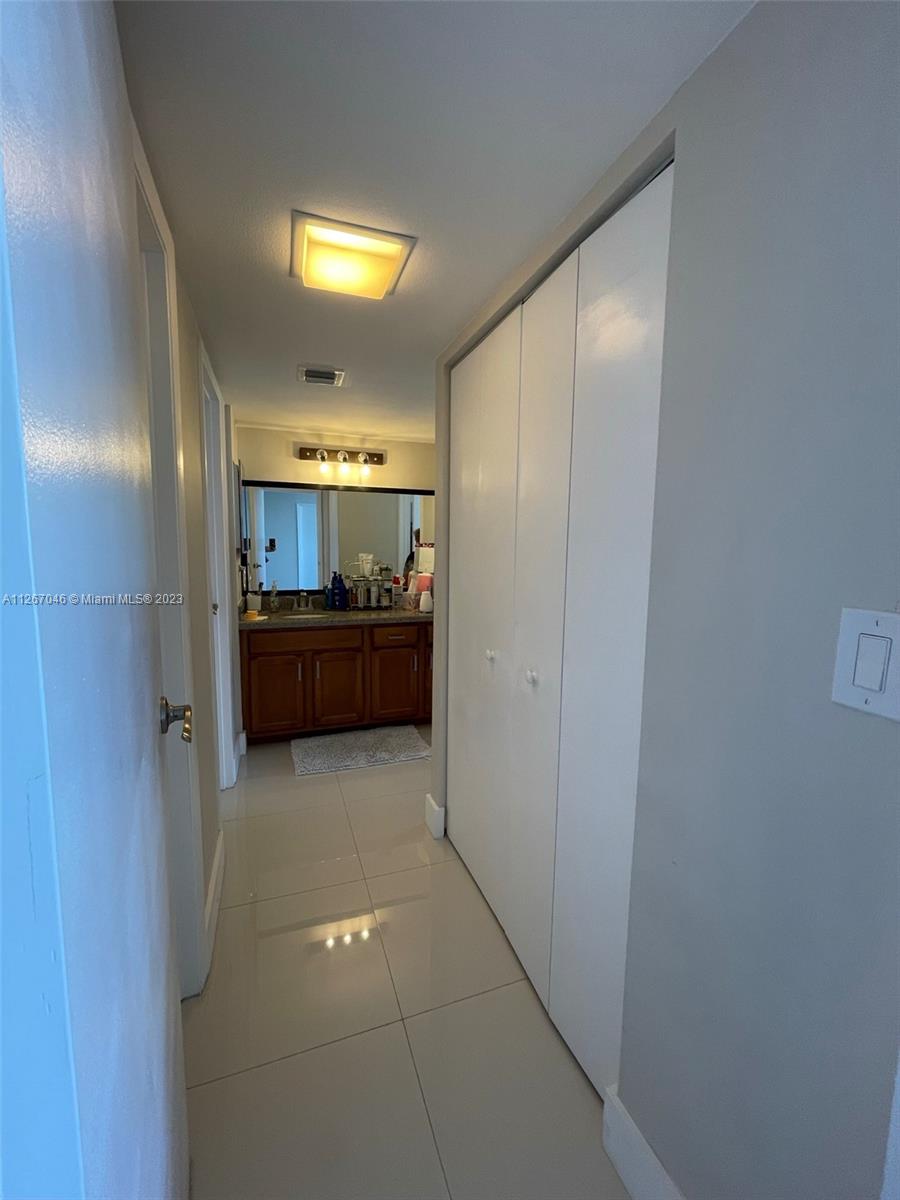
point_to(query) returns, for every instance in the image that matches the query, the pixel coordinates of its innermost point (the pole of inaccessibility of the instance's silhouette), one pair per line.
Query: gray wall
(761, 997)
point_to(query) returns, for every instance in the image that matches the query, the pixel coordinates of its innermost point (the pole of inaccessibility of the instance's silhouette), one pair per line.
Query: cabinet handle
(318, 671)
(395, 637)
(299, 670)
(415, 664)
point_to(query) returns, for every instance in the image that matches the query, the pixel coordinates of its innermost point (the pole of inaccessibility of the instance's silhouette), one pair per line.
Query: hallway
(366, 1030)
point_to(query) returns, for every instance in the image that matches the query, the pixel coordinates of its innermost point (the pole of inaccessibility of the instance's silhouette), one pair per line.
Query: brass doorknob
(170, 713)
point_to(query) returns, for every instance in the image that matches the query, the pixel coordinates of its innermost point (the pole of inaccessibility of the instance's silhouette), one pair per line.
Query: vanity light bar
(373, 458)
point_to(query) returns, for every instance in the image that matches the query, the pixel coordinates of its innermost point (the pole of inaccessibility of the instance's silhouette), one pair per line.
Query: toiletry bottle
(274, 598)
(342, 597)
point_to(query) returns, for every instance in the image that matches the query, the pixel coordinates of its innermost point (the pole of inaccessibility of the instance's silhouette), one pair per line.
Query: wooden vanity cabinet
(277, 693)
(304, 680)
(338, 689)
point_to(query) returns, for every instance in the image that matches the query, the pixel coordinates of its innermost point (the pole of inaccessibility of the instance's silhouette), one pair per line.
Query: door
(276, 693)
(91, 1024)
(545, 436)
(338, 694)
(222, 593)
(395, 675)
(621, 312)
(483, 463)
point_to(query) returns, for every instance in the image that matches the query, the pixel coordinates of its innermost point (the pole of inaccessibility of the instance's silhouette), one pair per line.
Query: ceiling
(475, 127)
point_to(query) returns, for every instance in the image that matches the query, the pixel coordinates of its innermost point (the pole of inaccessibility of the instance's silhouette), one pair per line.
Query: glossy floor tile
(288, 974)
(259, 795)
(441, 939)
(343, 1122)
(514, 1117)
(391, 834)
(366, 782)
(288, 852)
(269, 758)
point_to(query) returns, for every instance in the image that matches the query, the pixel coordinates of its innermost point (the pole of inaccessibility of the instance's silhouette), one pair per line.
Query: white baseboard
(435, 817)
(213, 898)
(640, 1170)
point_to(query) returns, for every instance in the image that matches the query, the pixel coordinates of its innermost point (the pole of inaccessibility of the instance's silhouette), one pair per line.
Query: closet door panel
(621, 309)
(466, 815)
(482, 514)
(545, 434)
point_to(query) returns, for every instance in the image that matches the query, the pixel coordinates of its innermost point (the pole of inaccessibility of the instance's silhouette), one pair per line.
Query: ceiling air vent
(325, 376)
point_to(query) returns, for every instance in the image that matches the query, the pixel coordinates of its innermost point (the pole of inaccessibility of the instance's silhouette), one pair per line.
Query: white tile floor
(366, 1032)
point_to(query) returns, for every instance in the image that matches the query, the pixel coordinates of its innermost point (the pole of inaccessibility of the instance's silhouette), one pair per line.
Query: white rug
(357, 748)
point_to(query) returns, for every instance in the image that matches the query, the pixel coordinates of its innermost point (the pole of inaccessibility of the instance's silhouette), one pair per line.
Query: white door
(483, 465)
(545, 435)
(223, 600)
(194, 915)
(621, 312)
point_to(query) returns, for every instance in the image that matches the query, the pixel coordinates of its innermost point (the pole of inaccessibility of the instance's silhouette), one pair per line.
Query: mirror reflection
(298, 537)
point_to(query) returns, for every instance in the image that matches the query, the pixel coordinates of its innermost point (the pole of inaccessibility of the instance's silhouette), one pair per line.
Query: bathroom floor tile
(513, 1115)
(264, 794)
(391, 834)
(288, 852)
(441, 939)
(268, 759)
(343, 1122)
(276, 987)
(390, 780)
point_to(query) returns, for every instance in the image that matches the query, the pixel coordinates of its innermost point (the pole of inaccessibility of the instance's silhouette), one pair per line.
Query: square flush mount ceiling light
(336, 257)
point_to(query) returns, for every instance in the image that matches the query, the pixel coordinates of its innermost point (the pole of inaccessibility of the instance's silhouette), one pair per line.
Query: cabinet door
(545, 438)
(484, 405)
(395, 675)
(338, 696)
(621, 312)
(276, 693)
(428, 680)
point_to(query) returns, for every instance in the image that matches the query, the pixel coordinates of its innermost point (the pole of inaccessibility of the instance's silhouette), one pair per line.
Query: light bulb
(365, 471)
(365, 935)
(329, 942)
(344, 468)
(347, 939)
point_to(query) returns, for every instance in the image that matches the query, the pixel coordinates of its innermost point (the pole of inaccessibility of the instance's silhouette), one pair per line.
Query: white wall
(368, 524)
(760, 1021)
(75, 276)
(271, 454)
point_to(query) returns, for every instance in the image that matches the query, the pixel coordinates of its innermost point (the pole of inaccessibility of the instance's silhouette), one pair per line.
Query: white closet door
(621, 310)
(484, 407)
(545, 437)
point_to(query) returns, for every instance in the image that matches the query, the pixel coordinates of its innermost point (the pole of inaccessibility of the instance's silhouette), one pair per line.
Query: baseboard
(435, 817)
(213, 898)
(640, 1170)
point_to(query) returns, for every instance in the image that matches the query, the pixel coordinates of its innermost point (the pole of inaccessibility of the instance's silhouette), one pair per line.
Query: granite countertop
(323, 618)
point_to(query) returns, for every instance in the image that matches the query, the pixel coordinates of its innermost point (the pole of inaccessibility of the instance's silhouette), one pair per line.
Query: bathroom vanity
(329, 671)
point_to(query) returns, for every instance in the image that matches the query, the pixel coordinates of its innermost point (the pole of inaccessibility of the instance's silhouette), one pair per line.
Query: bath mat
(357, 748)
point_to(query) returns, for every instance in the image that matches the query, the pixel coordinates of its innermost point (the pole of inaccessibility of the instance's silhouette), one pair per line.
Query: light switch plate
(867, 666)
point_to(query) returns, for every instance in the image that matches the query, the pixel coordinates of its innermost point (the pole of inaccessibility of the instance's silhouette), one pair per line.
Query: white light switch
(872, 654)
(867, 666)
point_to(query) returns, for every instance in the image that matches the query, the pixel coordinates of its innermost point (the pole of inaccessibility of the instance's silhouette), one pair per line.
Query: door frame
(223, 599)
(194, 911)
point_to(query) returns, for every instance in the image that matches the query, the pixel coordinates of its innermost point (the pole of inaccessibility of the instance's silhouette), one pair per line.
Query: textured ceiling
(475, 127)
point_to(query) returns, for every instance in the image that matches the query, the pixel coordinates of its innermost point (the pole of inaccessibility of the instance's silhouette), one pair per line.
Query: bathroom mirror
(297, 535)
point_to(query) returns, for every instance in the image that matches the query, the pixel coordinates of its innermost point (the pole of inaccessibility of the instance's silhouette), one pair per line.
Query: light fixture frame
(299, 221)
